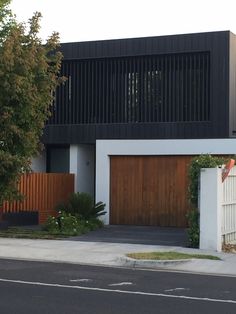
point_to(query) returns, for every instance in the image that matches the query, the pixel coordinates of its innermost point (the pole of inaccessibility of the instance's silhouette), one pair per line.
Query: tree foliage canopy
(29, 74)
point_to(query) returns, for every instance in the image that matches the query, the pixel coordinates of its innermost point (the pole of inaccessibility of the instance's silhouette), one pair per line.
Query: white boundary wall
(210, 209)
(107, 148)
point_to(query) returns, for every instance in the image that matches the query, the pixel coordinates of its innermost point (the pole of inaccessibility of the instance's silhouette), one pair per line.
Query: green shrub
(65, 224)
(82, 205)
(69, 225)
(51, 225)
(193, 230)
(94, 224)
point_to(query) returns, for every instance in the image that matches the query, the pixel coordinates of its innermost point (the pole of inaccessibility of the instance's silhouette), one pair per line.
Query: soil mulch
(229, 248)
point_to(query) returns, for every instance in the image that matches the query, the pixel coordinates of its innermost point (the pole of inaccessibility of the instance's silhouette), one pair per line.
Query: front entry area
(149, 190)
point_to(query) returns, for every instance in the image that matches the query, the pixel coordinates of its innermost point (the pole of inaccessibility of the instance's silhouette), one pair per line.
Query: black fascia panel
(144, 46)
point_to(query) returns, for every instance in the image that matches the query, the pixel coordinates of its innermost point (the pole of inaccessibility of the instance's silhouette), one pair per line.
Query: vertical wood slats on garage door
(149, 190)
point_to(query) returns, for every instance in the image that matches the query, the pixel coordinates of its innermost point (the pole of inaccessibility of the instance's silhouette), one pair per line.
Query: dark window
(58, 159)
(162, 88)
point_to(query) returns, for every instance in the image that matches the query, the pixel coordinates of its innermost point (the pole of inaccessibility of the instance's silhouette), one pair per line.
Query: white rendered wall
(38, 164)
(106, 148)
(210, 209)
(82, 164)
(74, 163)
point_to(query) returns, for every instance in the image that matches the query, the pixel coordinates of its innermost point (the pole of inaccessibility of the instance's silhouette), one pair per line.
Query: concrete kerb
(158, 264)
(144, 263)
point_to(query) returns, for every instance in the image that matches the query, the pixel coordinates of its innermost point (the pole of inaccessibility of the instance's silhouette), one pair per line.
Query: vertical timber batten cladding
(149, 190)
(149, 89)
(42, 191)
(179, 86)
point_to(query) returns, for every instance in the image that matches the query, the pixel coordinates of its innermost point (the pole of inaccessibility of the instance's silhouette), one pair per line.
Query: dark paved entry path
(137, 235)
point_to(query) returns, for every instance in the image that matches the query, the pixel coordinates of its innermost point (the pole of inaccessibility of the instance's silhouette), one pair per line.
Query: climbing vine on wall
(202, 161)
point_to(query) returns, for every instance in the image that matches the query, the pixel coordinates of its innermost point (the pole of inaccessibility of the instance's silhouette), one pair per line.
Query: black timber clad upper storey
(144, 89)
(208, 90)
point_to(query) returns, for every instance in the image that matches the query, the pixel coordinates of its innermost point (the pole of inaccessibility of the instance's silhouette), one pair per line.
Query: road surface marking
(80, 280)
(121, 284)
(43, 284)
(176, 289)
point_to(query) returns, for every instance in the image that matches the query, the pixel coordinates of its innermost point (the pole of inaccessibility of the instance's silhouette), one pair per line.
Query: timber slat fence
(217, 208)
(43, 191)
(229, 207)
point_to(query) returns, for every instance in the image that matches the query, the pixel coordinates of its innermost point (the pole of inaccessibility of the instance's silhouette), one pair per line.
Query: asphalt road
(36, 287)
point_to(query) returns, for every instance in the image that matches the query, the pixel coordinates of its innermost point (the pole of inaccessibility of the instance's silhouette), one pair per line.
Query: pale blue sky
(79, 20)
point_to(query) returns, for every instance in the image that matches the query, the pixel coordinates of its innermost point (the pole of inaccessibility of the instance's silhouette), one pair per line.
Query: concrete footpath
(111, 254)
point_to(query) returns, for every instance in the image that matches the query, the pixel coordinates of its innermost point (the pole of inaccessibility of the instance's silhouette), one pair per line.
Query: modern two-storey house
(133, 112)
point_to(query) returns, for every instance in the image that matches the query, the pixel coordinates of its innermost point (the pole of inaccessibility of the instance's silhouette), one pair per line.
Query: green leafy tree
(29, 75)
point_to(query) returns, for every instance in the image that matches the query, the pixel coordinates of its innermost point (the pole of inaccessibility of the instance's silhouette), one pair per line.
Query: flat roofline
(181, 43)
(146, 37)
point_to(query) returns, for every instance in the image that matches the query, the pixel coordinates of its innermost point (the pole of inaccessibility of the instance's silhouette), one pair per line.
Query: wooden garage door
(149, 190)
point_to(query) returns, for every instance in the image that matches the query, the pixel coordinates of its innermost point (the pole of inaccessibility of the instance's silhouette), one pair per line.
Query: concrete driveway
(137, 235)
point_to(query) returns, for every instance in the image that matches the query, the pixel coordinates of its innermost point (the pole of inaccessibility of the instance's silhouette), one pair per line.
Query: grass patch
(169, 256)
